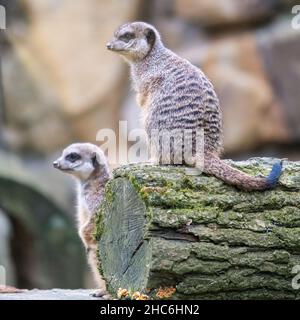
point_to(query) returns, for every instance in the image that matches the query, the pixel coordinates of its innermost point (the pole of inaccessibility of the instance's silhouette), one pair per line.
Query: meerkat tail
(218, 168)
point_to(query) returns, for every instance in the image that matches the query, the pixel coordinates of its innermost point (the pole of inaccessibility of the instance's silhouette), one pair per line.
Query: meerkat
(88, 165)
(174, 94)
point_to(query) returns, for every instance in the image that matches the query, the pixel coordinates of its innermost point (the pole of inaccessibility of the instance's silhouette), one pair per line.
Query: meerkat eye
(73, 156)
(127, 36)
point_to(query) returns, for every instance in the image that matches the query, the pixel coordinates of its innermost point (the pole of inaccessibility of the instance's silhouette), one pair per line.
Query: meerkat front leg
(140, 99)
(86, 234)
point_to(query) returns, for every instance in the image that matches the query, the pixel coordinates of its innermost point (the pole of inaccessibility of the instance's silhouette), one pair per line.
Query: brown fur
(92, 173)
(175, 95)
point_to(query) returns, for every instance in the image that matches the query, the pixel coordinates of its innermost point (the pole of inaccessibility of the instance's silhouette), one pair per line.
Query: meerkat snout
(109, 46)
(56, 164)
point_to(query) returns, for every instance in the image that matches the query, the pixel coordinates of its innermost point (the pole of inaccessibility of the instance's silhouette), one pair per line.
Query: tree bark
(164, 226)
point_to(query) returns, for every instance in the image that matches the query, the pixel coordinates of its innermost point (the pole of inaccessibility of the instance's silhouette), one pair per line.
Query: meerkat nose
(56, 164)
(109, 46)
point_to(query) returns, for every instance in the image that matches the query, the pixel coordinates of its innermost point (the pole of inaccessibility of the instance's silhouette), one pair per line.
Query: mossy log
(165, 226)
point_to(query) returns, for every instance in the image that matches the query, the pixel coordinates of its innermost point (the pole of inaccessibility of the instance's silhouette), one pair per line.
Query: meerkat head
(82, 160)
(134, 40)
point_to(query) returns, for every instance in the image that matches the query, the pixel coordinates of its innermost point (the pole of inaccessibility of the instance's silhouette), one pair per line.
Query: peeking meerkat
(88, 165)
(176, 95)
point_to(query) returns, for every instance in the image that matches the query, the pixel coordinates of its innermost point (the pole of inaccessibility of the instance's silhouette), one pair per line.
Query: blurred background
(59, 85)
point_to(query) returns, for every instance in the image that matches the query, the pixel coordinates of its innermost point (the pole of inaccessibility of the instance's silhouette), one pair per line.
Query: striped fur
(174, 94)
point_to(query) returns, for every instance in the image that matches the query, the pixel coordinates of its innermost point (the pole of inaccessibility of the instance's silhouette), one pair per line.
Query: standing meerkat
(176, 95)
(87, 164)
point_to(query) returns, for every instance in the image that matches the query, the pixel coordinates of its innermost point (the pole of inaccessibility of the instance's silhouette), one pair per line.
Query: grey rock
(54, 294)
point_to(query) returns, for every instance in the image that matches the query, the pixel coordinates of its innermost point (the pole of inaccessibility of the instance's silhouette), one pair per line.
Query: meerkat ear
(95, 160)
(150, 36)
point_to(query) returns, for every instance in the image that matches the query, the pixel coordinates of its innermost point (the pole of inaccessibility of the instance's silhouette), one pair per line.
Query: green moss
(109, 194)
(207, 239)
(99, 224)
(100, 216)
(134, 182)
(100, 269)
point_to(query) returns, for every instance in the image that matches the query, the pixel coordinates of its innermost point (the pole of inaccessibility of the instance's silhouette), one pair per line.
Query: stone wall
(251, 53)
(61, 84)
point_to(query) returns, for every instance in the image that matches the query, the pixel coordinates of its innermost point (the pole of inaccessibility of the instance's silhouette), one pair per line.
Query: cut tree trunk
(166, 226)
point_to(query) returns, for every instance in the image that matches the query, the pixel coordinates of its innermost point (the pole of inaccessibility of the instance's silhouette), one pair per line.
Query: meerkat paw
(101, 293)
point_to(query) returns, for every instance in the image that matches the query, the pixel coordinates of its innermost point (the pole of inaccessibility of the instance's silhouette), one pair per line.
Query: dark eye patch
(127, 36)
(73, 156)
